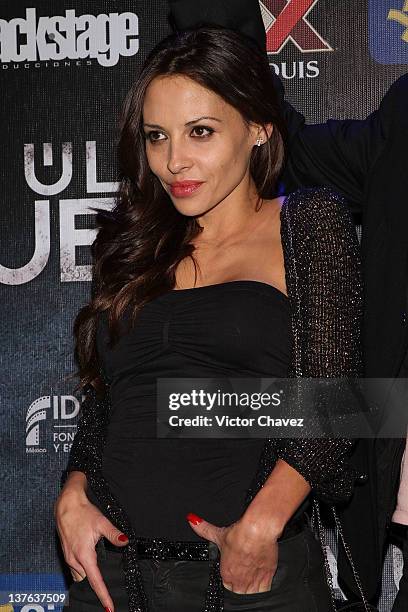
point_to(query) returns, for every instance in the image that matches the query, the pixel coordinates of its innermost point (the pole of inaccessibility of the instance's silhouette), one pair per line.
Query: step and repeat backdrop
(65, 69)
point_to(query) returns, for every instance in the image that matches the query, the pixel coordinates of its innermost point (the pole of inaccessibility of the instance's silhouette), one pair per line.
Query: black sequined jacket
(322, 266)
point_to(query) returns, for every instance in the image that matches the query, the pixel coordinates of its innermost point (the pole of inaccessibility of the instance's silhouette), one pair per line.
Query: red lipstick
(181, 189)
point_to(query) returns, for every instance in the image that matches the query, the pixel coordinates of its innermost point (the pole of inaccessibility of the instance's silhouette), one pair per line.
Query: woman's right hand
(80, 525)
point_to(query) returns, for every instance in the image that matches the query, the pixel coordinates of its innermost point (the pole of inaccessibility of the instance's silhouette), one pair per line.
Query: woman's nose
(177, 160)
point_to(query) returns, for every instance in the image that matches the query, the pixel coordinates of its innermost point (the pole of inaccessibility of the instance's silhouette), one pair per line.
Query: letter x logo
(286, 20)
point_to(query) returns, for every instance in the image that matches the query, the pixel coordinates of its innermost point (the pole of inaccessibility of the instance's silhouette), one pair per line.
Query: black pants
(299, 584)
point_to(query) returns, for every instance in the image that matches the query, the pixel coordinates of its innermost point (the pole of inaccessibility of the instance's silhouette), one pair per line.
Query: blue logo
(388, 31)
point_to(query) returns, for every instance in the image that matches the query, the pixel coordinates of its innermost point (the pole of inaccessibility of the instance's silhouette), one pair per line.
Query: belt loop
(213, 551)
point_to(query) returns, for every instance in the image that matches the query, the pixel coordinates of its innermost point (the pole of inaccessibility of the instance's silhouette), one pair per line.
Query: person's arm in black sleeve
(325, 288)
(86, 450)
(341, 154)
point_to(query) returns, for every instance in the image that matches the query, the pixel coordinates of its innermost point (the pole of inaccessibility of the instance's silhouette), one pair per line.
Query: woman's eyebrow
(154, 125)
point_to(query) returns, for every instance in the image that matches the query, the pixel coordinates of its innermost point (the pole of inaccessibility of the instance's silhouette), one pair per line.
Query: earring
(259, 141)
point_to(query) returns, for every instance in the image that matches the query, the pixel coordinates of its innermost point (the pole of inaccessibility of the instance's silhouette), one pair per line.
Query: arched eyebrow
(154, 125)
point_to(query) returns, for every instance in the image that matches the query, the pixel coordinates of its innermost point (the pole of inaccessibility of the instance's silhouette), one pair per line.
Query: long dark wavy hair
(142, 240)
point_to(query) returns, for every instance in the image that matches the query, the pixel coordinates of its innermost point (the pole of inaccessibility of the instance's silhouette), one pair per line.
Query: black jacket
(367, 162)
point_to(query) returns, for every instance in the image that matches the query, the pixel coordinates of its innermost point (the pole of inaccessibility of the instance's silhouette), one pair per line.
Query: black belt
(162, 550)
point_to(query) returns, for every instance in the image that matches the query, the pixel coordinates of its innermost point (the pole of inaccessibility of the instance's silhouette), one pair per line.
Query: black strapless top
(237, 328)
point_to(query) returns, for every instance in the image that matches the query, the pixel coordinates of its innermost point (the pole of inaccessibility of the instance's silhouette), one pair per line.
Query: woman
(278, 293)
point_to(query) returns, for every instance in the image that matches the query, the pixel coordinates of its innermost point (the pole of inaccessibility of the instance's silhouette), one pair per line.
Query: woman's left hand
(248, 553)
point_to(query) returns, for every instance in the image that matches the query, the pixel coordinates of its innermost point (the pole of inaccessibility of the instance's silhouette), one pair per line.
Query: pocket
(100, 559)
(81, 582)
(79, 592)
(291, 566)
(110, 566)
(246, 596)
(292, 539)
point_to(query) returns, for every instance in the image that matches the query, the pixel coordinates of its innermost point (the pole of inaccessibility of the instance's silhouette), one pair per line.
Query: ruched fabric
(234, 329)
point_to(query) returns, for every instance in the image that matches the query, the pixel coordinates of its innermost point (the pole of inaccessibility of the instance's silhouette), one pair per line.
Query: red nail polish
(108, 610)
(123, 538)
(193, 518)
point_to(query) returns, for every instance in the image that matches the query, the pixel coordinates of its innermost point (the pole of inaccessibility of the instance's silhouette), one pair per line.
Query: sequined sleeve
(86, 450)
(323, 274)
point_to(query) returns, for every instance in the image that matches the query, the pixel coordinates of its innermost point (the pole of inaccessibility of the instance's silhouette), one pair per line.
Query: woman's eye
(152, 136)
(201, 131)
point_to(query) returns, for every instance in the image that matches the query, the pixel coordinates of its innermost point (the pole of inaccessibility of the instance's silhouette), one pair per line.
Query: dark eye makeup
(151, 135)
